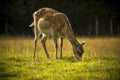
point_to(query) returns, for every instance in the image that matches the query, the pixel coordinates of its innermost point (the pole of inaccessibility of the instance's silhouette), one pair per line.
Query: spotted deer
(47, 21)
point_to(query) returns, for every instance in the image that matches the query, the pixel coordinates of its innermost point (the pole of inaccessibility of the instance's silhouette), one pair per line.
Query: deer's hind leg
(36, 33)
(43, 41)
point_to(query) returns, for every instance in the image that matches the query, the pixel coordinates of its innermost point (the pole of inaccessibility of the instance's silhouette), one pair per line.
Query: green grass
(101, 60)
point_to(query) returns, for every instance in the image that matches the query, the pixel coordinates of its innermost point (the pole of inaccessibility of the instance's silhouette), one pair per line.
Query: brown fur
(49, 21)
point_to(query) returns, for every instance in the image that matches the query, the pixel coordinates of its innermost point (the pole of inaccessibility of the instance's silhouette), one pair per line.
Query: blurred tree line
(87, 17)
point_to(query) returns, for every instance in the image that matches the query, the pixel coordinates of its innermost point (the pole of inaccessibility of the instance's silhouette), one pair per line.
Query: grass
(101, 60)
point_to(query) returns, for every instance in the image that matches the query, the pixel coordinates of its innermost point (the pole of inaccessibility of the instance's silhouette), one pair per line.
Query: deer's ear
(83, 43)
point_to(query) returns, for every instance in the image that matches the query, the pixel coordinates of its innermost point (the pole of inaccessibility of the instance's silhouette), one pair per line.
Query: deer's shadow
(70, 59)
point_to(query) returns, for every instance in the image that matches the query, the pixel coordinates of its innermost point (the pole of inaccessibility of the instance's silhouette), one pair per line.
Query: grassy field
(101, 60)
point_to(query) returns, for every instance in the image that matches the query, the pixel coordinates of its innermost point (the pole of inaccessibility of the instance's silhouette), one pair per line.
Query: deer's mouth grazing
(78, 57)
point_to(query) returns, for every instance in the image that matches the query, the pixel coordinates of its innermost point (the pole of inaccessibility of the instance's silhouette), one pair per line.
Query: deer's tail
(31, 25)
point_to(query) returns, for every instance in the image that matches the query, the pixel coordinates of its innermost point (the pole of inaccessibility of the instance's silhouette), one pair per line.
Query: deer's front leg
(56, 45)
(61, 45)
(43, 41)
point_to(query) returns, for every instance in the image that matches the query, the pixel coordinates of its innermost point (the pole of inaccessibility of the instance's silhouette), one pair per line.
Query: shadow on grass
(70, 59)
(6, 73)
(2, 67)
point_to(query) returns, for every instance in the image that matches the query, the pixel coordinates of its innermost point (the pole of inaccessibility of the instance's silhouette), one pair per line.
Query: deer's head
(78, 50)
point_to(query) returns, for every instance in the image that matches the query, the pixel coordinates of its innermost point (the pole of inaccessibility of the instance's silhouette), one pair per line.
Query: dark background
(87, 17)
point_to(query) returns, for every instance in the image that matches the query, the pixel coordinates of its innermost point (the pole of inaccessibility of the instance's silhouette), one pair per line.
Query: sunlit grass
(101, 60)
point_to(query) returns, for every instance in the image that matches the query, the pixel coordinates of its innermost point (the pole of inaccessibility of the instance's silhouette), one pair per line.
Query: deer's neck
(73, 42)
(71, 37)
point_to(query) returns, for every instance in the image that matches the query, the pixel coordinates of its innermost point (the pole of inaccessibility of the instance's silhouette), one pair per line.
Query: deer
(47, 21)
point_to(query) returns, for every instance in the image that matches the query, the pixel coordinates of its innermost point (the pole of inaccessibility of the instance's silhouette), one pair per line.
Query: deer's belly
(45, 27)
